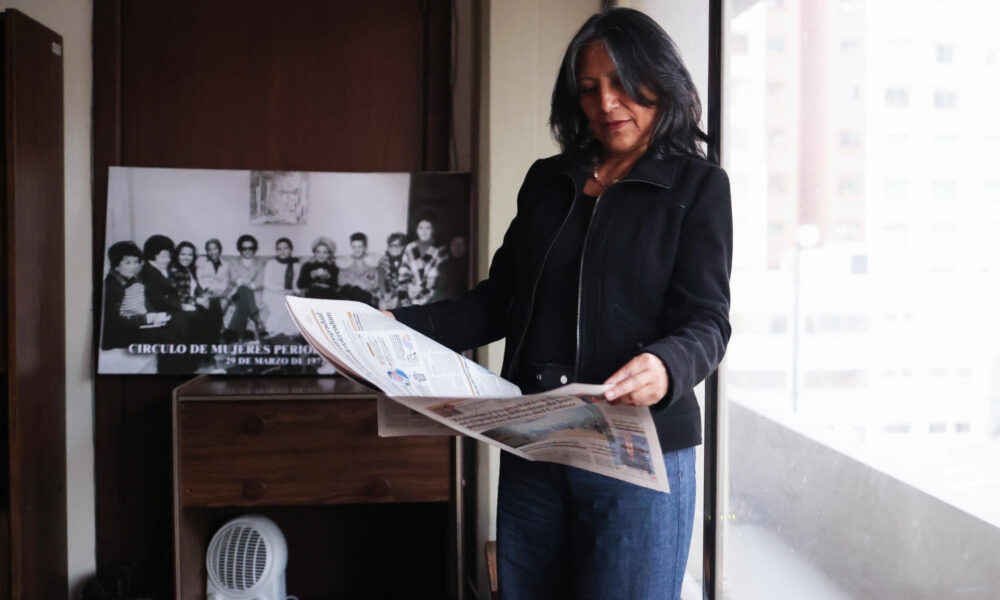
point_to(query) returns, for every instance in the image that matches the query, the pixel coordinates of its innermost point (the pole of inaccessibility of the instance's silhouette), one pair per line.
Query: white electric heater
(246, 560)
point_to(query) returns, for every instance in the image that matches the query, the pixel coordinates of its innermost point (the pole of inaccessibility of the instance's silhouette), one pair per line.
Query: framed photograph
(195, 283)
(279, 197)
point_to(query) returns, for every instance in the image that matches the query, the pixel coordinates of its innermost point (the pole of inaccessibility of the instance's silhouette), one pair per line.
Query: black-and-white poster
(198, 262)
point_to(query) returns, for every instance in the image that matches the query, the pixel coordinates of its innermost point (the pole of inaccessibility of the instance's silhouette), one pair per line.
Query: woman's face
(322, 253)
(248, 249)
(129, 266)
(283, 250)
(185, 256)
(395, 248)
(425, 231)
(619, 123)
(457, 247)
(214, 251)
(162, 259)
(358, 249)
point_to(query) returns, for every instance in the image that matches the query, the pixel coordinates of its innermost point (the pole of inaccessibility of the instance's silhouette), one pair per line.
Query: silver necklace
(601, 183)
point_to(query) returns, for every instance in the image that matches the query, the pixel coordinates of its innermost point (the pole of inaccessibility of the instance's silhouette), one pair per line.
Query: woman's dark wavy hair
(155, 244)
(644, 56)
(176, 255)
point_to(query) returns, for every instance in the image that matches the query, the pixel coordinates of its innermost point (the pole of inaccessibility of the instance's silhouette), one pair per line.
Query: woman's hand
(157, 318)
(642, 381)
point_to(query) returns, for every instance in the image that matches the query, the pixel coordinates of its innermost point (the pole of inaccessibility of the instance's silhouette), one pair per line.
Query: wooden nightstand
(363, 515)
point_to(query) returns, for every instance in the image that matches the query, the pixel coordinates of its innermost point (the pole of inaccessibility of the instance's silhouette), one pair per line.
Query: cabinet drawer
(233, 453)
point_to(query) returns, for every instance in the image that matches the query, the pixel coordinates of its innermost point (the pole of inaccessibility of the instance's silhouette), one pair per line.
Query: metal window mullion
(712, 538)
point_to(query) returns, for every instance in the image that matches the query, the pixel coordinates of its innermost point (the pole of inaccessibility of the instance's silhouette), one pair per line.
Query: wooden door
(33, 295)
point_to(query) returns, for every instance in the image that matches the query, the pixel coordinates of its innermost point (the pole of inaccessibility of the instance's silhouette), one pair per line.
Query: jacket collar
(647, 169)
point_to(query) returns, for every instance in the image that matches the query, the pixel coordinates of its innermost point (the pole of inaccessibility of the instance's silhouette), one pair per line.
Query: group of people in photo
(167, 293)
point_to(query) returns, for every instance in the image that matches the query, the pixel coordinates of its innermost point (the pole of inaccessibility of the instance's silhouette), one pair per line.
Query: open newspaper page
(571, 425)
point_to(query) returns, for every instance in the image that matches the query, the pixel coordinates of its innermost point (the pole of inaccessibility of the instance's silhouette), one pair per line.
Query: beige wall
(72, 20)
(522, 46)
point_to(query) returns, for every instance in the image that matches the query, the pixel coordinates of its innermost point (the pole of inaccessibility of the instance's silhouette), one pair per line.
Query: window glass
(862, 382)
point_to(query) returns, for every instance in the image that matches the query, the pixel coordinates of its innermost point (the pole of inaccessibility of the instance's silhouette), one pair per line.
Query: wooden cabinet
(32, 339)
(306, 453)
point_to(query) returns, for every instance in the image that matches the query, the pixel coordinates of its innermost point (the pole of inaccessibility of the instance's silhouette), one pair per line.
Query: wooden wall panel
(325, 85)
(307, 85)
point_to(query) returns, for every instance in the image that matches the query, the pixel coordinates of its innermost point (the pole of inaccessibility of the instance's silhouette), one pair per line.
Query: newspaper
(440, 391)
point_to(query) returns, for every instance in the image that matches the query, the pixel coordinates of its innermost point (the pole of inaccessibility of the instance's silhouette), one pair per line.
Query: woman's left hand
(642, 381)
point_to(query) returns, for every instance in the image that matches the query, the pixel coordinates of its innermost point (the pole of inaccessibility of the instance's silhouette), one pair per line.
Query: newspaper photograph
(571, 425)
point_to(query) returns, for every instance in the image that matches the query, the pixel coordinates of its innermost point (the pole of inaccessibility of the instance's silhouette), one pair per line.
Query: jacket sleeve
(116, 327)
(160, 292)
(697, 302)
(479, 316)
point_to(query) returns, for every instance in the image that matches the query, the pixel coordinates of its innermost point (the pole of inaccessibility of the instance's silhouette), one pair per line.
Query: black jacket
(654, 278)
(161, 293)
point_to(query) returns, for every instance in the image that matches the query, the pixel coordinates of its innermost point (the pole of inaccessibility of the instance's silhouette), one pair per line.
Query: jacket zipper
(534, 288)
(583, 253)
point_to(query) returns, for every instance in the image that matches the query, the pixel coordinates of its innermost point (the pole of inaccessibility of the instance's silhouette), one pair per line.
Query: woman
(453, 271)
(280, 274)
(194, 301)
(126, 318)
(357, 277)
(246, 280)
(318, 277)
(390, 293)
(421, 258)
(162, 297)
(213, 276)
(185, 279)
(638, 225)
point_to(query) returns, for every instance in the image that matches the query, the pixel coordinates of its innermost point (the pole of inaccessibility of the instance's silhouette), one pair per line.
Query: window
(850, 46)
(776, 138)
(847, 231)
(859, 264)
(850, 94)
(777, 183)
(837, 323)
(944, 53)
(850, 139)
(889, 311)
(945, 99)
(896, 428)
(827, 379)
(897, 97)
(991, 191)
(944, 190)
(897, 143)
(895, 233)
(945, 145)
(849, 186)
(991, 147)
(896, 189)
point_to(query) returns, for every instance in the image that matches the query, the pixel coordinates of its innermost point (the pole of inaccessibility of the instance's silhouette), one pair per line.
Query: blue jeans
(563, 532)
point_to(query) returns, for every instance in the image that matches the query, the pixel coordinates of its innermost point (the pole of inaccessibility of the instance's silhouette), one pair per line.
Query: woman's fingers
(642, 381)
